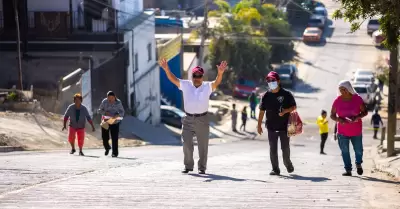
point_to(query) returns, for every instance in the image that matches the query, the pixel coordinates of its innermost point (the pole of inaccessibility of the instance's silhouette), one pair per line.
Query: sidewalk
(390, 165)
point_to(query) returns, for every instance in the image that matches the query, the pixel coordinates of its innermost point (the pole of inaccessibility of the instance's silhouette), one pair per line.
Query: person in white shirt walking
(196, 94)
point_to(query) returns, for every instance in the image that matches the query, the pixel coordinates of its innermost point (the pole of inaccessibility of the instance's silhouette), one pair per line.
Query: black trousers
(324, 137)
(273, 149)
(113, 130)
(376, 133)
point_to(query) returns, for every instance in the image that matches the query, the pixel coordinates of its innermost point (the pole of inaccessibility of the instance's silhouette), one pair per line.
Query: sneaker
(360, 170)
(275, 173)
(290, 169)
(81, 153)
(186, 170)
(347, 173)
(202, 172)
(72, 151)
(107, 151)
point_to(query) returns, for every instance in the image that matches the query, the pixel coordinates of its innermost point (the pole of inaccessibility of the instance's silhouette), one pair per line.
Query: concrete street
(149, 177)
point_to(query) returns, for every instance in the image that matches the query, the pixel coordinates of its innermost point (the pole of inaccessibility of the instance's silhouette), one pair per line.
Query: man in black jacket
(277, 104)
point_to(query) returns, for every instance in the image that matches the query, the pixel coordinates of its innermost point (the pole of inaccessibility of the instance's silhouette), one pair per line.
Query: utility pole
(203, 33)
(18, 44)
(392, 110)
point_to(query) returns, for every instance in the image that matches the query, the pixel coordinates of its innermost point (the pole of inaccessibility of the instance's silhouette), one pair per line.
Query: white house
(119, 27)
(143, 73)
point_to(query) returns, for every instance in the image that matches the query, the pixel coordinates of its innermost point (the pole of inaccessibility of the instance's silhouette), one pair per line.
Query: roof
(137, 20)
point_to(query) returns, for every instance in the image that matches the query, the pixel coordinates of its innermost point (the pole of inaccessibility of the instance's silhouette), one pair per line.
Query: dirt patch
(42, 131)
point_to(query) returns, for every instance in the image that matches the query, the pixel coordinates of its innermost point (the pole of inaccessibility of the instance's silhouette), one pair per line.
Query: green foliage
(242, 38)
(12, 96)
(384, 76)
(356, 12)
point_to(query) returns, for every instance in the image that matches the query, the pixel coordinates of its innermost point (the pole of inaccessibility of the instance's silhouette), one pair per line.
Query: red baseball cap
(198, 70)
(273, 75)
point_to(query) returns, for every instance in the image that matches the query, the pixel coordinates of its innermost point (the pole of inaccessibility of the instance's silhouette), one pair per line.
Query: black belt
(196, 115)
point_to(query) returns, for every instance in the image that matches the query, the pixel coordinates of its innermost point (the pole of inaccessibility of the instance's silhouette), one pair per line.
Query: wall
(143, 76)
(110, 76)
(128, 8)
(171, 51)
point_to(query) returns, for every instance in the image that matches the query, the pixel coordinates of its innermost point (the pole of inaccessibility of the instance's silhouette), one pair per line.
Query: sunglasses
(197, 76)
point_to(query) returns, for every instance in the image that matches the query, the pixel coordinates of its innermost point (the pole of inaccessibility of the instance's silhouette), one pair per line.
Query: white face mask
(273, 85)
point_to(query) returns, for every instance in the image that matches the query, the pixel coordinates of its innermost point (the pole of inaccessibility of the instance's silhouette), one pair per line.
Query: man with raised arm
(196, 94)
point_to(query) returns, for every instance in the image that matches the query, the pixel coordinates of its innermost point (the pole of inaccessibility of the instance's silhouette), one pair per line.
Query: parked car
(363, 72)
(288, 74)
(366, 94)
(312, 35)
(366, 80)
(260, 90)
(316, 21)
(321, 11)
(172, 116)
(373, 25)
(377, 38)
(243, 88)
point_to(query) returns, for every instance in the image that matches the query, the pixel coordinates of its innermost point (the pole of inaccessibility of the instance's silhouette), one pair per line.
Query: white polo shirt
(195, 99)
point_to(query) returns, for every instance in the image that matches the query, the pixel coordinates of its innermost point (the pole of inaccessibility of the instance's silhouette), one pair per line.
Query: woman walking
(77, 114)
(244, 118)
(111, 107)
(348, 109)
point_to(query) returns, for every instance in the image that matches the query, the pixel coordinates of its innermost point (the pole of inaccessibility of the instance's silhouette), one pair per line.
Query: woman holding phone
(348, 109)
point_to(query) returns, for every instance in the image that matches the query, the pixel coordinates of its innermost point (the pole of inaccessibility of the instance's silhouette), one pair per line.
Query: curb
(10, 149)
(383, 167)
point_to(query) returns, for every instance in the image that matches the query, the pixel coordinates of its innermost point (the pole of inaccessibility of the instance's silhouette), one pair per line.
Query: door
(9, 14)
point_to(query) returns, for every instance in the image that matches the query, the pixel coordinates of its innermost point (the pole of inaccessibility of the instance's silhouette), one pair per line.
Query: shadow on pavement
(90, 156)
(303, 87)
(127, 158)
(377, 180)
(316, 44)
(240, 133)
(214, 177)
(306, 178)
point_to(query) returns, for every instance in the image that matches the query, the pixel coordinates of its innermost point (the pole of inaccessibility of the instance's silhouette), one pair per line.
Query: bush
(12, 96)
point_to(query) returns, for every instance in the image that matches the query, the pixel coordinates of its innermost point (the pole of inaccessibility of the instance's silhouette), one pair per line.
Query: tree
(242, 37)
(356, 12)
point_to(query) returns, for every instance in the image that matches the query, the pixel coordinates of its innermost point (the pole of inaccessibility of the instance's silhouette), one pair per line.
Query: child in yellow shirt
(322, 123)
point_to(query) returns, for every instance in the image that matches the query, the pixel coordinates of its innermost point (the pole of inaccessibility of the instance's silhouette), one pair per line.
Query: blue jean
(344, 142)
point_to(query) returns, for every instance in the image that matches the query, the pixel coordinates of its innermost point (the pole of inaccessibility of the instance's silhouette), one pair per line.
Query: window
(136, 63)
(149, 52)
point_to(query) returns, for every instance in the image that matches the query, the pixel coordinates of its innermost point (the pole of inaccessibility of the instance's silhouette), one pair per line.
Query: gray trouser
(273, 149)
(234, 122)
(200, 127)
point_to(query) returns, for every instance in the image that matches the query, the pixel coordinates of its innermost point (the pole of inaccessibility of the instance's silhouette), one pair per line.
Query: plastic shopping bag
(295, 126)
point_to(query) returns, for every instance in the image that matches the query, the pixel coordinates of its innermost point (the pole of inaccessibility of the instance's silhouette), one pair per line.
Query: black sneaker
(202, 172)
(107, 151)
(360, 170)
(322, 153)
(290, 169)
(187, 170)
(72, 151)
(81, 153)
(114, 155)
(347, 173)
(275, 173)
